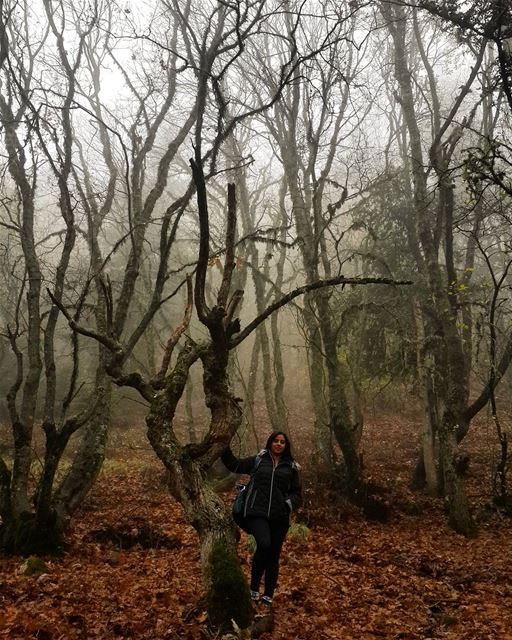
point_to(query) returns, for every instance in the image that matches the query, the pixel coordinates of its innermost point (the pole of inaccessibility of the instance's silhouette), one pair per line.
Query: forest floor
(132, 566)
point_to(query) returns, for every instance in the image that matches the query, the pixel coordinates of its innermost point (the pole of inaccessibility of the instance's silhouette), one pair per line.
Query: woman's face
(278, 445)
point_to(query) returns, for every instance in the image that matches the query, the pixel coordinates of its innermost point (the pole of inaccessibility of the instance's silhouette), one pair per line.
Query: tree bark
(426, 472)
(339, 412)
(321, 427)
(226, 588)
(89, 456)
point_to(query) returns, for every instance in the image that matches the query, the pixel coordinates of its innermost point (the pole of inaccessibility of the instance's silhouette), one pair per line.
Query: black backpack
(238, 508)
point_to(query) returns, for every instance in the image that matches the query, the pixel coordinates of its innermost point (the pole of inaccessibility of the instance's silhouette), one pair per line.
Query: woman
(273, 492)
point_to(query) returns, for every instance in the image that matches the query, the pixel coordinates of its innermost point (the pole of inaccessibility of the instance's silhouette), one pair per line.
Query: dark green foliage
(299, 532)
(25, 536)
(229, 597)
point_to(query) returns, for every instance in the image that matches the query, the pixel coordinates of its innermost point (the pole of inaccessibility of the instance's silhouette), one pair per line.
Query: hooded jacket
(274, 490)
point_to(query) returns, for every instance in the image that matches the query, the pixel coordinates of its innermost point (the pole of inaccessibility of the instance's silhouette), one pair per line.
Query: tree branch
(229, 262)
(204, 241)
(319, 284)
(112, 345)
(177, 333)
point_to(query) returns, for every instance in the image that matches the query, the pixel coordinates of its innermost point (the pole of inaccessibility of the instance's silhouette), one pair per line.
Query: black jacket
(274, 490)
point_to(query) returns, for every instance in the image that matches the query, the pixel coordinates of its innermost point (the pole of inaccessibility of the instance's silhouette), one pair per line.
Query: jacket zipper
(274, 466)
(247, 500)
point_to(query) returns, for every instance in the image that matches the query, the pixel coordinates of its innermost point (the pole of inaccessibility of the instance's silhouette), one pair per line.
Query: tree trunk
(26, 535)
(339, 412)
(189, 392)
(450, 364)
(430, 428)
(454, 378)
(459, 516)
(267, 377)
(5, 494)
(425, 473)
(281, 411)
(227, 594)
(321, 430)
(262, 336)
(90, 455)
(251, 388)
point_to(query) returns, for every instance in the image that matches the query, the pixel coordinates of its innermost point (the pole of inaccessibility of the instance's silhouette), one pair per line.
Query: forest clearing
(132, 566)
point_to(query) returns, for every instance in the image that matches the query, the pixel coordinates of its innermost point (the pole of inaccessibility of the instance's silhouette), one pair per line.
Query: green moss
(251, 544)
(228, 598)
(34, 566)
(299, 532)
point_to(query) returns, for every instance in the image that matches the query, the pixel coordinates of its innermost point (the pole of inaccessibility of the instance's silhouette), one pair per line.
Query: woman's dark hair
(287, 453)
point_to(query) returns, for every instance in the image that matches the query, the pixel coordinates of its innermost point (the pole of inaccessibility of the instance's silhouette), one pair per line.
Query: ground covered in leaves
(132, 566)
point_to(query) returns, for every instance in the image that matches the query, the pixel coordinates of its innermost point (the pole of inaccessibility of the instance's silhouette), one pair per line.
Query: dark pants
(269, 536)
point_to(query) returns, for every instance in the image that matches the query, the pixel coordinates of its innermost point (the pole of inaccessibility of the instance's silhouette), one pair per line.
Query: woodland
(222, 218)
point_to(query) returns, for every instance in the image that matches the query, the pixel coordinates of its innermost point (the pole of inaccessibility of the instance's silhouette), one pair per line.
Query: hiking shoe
(266, 600)
(255, 595)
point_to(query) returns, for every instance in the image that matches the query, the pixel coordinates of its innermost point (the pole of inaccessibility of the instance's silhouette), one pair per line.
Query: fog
(365, 236)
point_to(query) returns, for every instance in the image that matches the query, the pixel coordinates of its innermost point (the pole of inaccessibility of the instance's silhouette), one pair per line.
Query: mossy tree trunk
(317, 383)
(226, 589)
(224, 583)
(89, 456)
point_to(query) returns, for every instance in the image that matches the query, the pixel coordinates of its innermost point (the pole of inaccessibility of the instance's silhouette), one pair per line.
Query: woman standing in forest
(273, 492)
